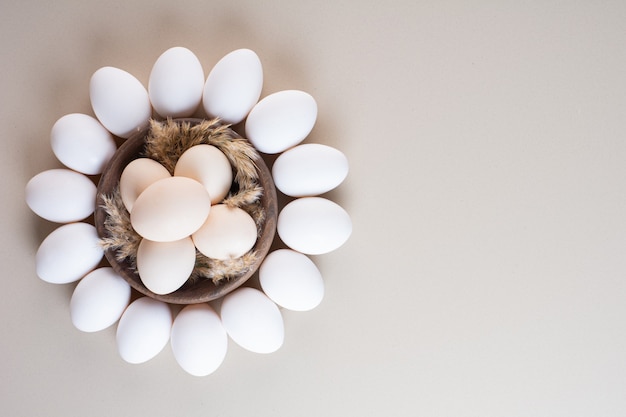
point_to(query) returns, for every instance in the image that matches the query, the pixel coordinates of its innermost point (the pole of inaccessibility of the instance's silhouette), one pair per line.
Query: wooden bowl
(202, 290)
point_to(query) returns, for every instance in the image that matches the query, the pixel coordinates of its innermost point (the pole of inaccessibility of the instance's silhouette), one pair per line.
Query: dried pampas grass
(165, 142)
(121, 237)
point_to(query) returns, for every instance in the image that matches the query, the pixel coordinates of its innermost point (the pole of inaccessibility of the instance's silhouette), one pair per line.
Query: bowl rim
(201, 290)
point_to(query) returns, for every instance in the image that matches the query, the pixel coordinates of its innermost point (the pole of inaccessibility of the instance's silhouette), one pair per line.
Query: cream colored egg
(143, 330)
(81, 143)
(68, 253)
(120, 101)
(229, 232)
(291, 280)
(61, 195)
(199, 341)
(252, 320)
(164, 267)
(99, 300)
(170, 209)
(281, 120)
(309, 169)
(176, 83)
(233, 86)
(209, 166)
(313, 225)
(137, 176)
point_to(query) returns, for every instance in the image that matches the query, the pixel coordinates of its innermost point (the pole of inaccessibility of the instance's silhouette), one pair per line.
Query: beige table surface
(486, 273)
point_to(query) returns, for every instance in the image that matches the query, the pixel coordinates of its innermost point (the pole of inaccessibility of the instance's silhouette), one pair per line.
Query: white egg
(233, 86)
(281, 120)
(120, 101)
(81, 143)
(137, 176)
(99, 300)
(176, 83)
(309, 170)
(165, 266)
(61, 195)
(313, 225)
(291, 280)
(68, 253)
(170, 209)
(252, 320)
(199, 341)
(209, 166)
(143, 330)
(229, 232)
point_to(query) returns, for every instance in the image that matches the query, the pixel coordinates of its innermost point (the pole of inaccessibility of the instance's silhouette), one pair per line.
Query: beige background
(486, 272)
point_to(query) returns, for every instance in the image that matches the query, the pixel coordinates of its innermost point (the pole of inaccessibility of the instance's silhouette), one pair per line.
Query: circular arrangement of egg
(180, 214)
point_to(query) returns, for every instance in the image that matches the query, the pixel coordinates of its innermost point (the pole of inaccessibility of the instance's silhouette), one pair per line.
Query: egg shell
(313, 225)
(291, 280)
(137, 176)
(61, 195)
(198, 340)
(233, 86)
(281, 120)
(176, 83)
(143, 330)
(170, 209)
(210, 167)
(68, 253)
(252, 320)
(81, 143)
(120, 101)
(99, 300)
(229, 232)
(309, 169)
(164, 267)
